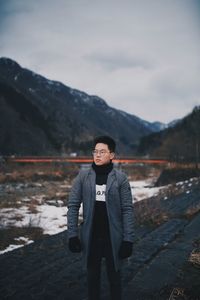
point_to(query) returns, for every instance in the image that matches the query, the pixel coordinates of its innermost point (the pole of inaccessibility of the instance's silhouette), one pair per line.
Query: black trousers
(102, 248)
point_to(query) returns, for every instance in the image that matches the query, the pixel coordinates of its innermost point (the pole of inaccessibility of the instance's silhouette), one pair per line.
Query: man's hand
(74, 245)
(125, 249)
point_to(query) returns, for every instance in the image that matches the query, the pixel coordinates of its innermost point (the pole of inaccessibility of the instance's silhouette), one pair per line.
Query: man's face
(102, 155)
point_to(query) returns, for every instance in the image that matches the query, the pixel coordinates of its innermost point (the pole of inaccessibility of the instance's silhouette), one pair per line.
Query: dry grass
(188, 280)
(152, 211)
(177, 293)
(32, 207)
(37, 180)
(141, 172)
(14, 172)
(194, 257)
(21, 187)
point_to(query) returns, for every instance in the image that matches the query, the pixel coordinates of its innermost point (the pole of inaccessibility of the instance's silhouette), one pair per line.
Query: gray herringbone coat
(119, 208)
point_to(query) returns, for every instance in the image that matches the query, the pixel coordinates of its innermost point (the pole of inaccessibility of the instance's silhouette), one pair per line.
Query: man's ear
(112, 155)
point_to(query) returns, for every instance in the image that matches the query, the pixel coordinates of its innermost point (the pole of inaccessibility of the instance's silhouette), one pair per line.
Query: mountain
(156, 126)
(180, 141)
(40, 116)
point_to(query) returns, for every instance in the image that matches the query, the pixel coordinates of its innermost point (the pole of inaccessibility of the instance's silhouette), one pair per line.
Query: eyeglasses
(100, 152)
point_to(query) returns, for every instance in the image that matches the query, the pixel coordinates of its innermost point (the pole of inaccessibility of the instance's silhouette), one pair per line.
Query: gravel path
(46, 269)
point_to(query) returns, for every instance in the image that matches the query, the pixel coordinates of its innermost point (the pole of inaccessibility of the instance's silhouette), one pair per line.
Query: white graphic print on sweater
(101, 192)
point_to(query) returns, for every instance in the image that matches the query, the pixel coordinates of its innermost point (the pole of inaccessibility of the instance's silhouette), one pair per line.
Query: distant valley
(44, 117)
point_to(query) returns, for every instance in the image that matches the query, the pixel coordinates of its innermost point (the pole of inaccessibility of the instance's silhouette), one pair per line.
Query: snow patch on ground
(143, 189)
(12, 247)
(50, 218)
(51, 215)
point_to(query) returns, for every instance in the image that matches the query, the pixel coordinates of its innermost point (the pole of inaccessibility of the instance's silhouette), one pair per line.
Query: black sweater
(100, 227)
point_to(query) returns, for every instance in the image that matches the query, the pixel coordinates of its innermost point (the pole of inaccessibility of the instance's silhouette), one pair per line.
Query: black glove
(125, 249)
(74, 244)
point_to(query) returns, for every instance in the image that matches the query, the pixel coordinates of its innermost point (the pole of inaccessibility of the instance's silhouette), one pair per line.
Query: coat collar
(92, 178)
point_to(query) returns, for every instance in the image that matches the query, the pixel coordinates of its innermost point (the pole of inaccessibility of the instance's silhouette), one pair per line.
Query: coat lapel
(92, 181)
(110, 180)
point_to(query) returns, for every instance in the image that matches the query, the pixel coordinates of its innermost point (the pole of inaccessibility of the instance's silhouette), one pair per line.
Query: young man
(107, 228)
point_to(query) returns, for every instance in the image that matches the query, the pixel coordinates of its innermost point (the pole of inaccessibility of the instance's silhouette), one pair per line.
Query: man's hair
(104, 139)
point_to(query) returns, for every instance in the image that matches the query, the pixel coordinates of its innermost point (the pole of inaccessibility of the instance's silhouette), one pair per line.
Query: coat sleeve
(74, 202)
(127, 210)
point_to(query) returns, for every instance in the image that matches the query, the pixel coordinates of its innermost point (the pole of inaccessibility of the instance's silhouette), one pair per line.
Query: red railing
(53, 159)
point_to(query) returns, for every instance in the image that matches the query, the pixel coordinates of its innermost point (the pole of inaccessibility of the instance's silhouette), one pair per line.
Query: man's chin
(98, 163)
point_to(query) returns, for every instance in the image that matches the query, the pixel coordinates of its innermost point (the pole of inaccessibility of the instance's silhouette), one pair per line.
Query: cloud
(115, 61)
(140, 56)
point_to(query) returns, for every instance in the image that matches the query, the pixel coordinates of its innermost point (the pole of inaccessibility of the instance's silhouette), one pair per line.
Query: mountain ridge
(68, 118)
(180, 142)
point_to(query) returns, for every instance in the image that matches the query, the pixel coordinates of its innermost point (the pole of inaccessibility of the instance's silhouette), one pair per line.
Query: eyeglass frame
(100, 152)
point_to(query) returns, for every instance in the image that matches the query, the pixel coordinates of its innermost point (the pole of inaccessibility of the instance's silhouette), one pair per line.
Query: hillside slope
(181, 142)
(41, 116)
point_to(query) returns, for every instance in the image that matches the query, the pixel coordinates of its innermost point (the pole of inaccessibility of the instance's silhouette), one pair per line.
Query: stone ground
(162, 266)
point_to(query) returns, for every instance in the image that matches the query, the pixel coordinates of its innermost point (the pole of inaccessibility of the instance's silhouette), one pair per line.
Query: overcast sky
(141, 56)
